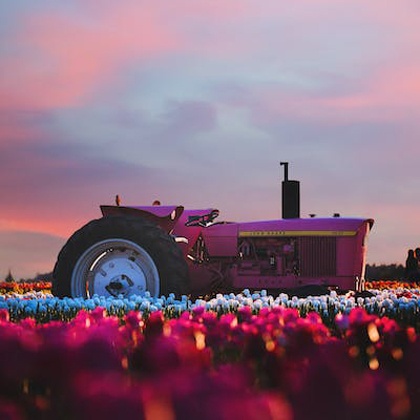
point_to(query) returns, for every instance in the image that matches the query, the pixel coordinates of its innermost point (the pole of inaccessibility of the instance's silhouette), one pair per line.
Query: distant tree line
(385, 272)
(39, 277)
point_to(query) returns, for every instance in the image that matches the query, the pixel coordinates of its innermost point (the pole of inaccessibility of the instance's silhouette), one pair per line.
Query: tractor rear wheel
(119, 255)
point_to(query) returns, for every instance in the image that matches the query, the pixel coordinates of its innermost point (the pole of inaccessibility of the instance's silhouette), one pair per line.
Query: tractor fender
(164, 216)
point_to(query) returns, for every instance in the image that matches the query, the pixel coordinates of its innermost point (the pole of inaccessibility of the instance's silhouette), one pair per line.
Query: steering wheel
(202, 220)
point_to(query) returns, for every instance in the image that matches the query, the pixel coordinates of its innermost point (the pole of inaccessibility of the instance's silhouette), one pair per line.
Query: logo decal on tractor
(274, 233)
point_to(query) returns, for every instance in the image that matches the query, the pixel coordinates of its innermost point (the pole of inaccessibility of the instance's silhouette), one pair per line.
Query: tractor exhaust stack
(290, 195)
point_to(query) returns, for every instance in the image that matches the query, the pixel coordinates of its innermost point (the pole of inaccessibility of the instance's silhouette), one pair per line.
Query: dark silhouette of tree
(9, 278)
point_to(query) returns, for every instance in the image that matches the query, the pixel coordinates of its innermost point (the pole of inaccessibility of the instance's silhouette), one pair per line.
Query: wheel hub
(117, 275)
(118, 284)
(116, 267)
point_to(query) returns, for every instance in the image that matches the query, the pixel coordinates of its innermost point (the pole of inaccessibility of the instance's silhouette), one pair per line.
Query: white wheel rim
(115, 267)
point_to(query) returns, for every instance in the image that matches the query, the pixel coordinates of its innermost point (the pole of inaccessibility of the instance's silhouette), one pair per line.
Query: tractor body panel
(272, 254)
(288, 253)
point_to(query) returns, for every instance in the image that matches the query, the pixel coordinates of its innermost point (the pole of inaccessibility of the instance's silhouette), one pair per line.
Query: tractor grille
(317, 256)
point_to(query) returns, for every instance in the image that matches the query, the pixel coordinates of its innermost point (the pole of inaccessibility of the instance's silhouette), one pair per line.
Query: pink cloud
(13, 133)
(388, 94)
(62, 60)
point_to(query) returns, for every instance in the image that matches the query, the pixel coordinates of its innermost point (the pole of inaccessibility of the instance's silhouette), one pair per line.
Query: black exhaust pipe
(290, 192)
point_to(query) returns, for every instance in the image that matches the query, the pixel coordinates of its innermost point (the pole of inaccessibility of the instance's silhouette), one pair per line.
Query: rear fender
(164, 216)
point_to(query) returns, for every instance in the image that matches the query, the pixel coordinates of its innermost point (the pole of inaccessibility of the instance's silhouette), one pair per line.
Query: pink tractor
(166, 249)
(169, 249)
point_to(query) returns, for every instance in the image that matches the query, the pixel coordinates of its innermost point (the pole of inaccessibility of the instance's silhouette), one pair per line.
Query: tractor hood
(338, 226)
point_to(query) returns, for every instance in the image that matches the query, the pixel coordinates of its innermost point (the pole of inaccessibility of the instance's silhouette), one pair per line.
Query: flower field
(24, 287)
(251, 355)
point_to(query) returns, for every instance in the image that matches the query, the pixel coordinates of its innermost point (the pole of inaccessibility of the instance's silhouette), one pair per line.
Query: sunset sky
(195, 102)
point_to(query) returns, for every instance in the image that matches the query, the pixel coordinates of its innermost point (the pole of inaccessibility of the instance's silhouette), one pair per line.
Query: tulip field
(251, 355)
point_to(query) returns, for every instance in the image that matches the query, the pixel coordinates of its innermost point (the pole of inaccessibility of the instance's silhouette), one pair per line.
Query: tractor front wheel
(120, 256)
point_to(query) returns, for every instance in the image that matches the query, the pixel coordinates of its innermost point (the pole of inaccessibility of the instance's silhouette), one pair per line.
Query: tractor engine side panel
(267, 256)
(221, 240)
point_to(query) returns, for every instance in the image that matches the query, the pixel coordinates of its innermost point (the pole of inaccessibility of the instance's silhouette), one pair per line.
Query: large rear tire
(120, 255)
